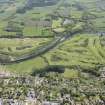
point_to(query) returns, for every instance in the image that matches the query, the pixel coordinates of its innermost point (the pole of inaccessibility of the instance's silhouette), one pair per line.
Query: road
(42, 50)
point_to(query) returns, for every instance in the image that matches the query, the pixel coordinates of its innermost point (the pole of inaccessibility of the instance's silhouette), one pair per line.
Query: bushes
(21, 10)
(51, 68)
(55, 68)
(37, 71)
(4, 59)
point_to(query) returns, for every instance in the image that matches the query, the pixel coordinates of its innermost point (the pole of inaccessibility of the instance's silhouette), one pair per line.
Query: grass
(9, 46)
(36, 13)
(57, 23)
(76, 14)
(59, 30)
(27, 66)
(36, 31)
(70, 73)
(82, 50)
(31, 31)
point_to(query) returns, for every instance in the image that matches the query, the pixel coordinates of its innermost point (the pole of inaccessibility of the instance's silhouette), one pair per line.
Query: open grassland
(36, 31)
(8, 13)
(18, 47)
(26, 67)
(85, 51)
(71, 73)
(92, 10)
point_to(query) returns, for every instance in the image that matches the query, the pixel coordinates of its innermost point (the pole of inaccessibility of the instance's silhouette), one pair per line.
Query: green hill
(84, 50)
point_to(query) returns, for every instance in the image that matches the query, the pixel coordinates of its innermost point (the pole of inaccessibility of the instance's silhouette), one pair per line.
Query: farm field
(16, 47)
(26, 67)
(84, 50)
(52, 52)
(29, 23)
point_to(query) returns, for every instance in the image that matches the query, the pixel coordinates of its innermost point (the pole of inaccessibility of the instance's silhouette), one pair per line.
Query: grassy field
(71, 73)
(37, 13)
(84, 51)
(76, 10)
(28, 66)
(19, 47)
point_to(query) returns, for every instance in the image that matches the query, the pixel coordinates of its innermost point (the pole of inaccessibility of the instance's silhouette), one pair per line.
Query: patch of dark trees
(80, 6)
(51, 68)
(36, 3)
(26, 36)
(4, 1)
(4, 58)
(23, 47)
(40, 3)
(93, 71)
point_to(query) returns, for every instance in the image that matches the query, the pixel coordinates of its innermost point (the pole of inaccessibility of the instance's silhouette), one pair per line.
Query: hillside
(86, 17)
(52, 51)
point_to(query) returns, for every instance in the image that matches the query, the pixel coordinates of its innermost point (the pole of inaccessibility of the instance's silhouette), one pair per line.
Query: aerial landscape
(52, 52)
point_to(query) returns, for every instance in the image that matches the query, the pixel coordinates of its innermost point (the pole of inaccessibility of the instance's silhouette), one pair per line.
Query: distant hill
(40, 3)
(3, 1)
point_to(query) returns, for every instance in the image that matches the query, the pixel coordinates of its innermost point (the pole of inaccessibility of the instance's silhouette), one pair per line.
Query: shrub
(51, 68)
